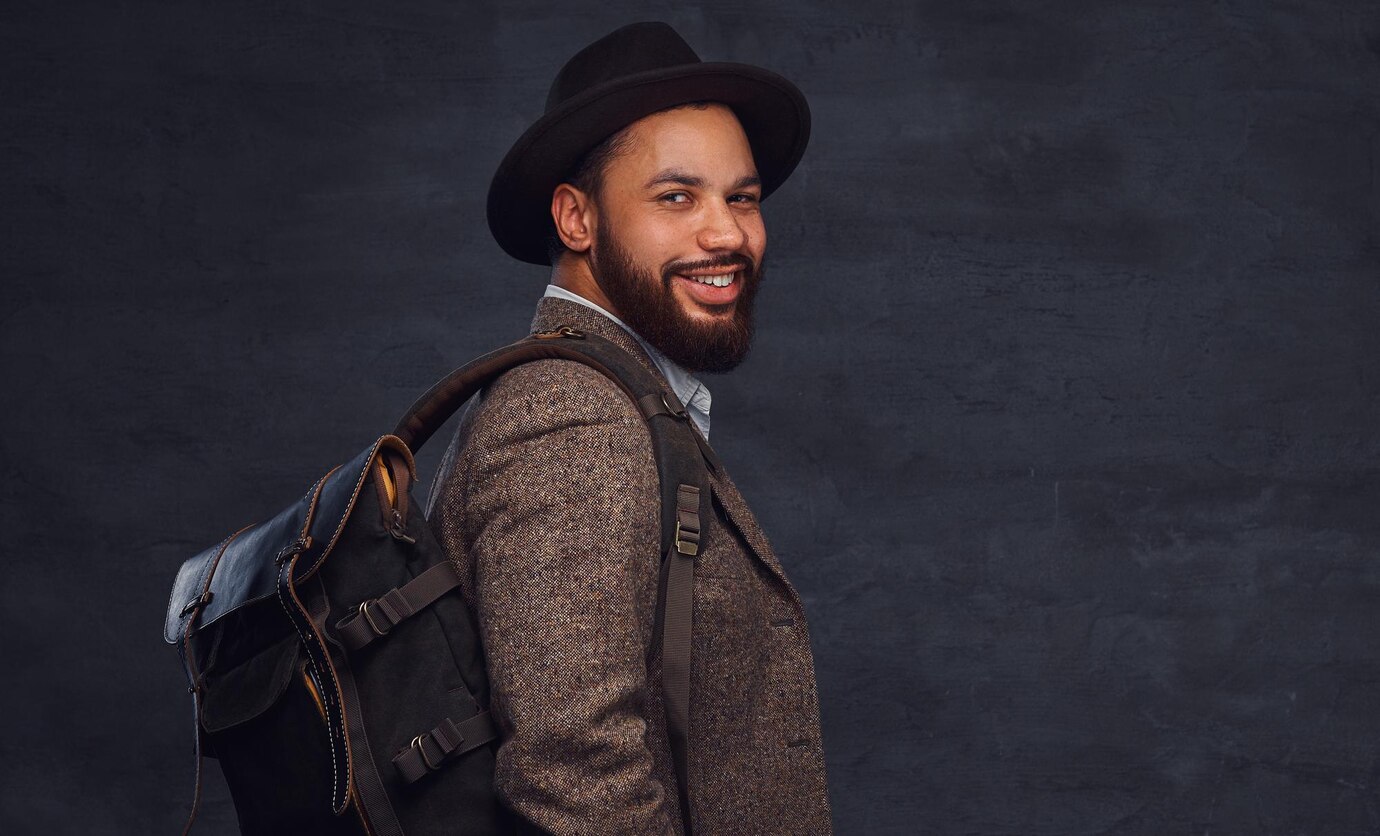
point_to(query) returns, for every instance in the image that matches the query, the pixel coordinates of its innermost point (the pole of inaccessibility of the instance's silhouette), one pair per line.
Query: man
(641, 187)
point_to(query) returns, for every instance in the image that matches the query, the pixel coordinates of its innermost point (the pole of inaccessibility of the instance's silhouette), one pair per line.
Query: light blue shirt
(692, 393)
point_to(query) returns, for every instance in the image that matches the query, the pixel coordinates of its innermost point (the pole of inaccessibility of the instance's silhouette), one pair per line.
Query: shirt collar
(692, 393)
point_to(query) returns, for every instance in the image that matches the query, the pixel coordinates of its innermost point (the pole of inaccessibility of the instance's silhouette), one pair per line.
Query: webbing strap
(687, 536)
(676, 631)
(368, 797)
(658, 403)
(377, 617)
(429, 750)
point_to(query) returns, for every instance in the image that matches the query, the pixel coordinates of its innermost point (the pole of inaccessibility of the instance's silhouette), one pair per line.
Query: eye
(669, 197)
(744, 199)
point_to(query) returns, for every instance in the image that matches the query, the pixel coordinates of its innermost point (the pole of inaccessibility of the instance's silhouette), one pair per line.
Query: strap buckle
(421, 750)
(677, 411)
(687, 537)
(689, 547)
(292, 549)
(369, 617)
(197, 603)
(398, 529)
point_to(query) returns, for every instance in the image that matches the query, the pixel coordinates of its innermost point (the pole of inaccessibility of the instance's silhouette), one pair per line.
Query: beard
(647, 303)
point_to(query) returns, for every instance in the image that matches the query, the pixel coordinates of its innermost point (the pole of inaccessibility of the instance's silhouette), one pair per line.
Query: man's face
(679, 238)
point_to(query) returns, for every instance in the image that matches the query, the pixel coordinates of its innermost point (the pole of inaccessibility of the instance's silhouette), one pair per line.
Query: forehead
(709, 143)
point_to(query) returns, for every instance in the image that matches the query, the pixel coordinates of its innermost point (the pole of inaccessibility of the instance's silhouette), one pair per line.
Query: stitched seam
(285, 582)
(206, 570)
(207, 576)
(359, 484)
(310, 516)
(339, 699)
(203, 582)
(313, 495)
(350, 506)
(188, 658)
(404, 450)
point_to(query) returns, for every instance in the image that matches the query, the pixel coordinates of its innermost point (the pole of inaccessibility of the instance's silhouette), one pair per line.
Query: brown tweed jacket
(547, 499)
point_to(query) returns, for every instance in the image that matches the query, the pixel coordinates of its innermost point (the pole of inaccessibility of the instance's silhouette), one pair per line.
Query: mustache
(741, 262)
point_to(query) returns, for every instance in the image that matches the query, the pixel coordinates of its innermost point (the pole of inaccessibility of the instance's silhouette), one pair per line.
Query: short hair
(587, 174)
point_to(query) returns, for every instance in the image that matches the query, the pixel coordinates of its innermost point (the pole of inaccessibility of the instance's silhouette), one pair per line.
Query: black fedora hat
(628, 74)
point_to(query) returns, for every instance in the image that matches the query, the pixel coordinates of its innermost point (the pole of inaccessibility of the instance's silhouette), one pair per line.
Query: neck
(572, 273)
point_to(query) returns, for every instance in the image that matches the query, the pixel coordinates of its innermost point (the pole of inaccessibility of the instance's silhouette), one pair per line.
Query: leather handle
(441, 401)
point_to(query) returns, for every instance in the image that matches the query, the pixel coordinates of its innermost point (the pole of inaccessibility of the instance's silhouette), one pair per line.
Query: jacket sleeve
(562, 499)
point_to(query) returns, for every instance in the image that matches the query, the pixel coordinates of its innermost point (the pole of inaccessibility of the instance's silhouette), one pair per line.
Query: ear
(573, 213)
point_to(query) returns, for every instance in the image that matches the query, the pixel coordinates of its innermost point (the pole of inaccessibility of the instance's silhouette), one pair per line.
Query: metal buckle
(676, 411)
(563, 331)
(296, 547)
(685, 546)
(369, 618)
(417, 744)
(398, 530)
(197, 603)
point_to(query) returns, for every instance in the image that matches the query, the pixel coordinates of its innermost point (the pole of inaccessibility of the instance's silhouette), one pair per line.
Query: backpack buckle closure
(293, 549)
(676, 411)
(398, 529)
(421, 749)
(687, 546)
(197, 603)
(369, 617)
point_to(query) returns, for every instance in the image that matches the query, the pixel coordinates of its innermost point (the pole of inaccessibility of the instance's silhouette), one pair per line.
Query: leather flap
(190, 580)
(248, 690)
(247, 568)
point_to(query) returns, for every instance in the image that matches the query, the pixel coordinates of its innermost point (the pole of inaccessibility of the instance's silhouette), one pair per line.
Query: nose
(721, 229)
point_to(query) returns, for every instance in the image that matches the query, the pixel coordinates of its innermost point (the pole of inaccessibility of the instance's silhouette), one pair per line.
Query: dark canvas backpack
(336, 671)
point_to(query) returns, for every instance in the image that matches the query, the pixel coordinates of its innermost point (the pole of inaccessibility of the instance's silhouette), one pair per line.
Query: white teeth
(717, 281)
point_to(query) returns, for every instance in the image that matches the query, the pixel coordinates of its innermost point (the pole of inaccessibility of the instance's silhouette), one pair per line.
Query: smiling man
(683, 193)
(642, 187)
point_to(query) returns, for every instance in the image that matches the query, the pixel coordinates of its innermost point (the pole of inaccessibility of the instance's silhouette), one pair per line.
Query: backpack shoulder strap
(683, 459)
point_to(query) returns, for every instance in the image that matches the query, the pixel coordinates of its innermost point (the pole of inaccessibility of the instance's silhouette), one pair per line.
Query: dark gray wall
(1062, 415)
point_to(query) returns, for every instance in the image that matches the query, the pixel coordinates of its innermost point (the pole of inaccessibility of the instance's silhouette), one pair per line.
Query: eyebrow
(675, 175)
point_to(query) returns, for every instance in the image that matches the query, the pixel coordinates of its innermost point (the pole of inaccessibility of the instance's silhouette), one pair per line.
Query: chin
(697, 310)
(709, 313)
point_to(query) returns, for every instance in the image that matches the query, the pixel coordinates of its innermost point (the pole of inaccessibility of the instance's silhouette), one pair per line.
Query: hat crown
(637, 70)
(635, 48)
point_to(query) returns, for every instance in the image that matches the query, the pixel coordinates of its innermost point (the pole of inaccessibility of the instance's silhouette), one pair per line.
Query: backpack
(335, 669)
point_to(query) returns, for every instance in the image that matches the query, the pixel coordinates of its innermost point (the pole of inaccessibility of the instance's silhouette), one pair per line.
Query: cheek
(756, 233)
(650, 238)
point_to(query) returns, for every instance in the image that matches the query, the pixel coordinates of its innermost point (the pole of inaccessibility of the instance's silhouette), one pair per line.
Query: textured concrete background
(1062, 415)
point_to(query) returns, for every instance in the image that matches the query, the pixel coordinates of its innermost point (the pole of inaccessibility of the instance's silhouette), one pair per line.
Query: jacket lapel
(740, 517)
(553, 312)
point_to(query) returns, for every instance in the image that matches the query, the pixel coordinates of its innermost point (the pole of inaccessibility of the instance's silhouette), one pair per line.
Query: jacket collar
(553, 312)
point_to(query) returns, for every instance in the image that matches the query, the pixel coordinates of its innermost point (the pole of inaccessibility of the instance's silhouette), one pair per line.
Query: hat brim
(772, 111)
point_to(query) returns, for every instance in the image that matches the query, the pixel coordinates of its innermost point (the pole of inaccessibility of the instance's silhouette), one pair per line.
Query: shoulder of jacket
(550, 394)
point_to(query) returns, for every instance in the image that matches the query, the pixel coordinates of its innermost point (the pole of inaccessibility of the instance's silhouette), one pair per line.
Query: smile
(713, 289)
(722, 280)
